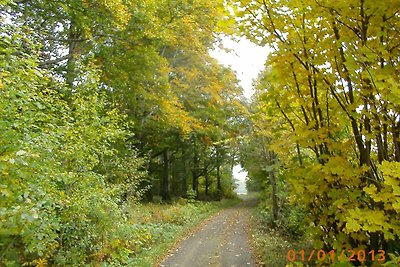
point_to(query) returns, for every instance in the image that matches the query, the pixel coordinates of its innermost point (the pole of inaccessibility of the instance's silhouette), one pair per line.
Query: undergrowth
(273, 240)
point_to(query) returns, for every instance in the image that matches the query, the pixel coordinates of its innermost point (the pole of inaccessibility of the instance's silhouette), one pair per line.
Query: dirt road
(222, 241)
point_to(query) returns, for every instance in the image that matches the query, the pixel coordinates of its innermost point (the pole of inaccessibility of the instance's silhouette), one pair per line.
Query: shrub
(191, 195)
(56, 205)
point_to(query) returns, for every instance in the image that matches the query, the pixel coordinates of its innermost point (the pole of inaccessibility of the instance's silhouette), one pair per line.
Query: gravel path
(222, 241)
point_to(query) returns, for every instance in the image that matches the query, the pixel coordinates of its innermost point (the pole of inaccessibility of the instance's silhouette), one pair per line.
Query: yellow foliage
(325, 99)
(118, 10)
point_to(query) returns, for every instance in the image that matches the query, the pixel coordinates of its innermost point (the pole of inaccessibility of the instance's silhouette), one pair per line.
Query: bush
(292, 221)
(56, 205)
(191, 195)
(272, 241)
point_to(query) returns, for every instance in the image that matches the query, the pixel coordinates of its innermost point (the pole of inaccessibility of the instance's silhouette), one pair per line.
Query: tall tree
(333, 78)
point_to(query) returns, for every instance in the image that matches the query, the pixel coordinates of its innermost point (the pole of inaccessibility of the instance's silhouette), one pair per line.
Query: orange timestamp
(351, 255)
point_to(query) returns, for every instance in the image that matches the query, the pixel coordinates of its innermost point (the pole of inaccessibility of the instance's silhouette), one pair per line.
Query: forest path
(221, 242)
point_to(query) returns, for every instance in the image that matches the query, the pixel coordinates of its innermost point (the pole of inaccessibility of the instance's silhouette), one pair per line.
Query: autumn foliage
(328, 104)
(104, 103)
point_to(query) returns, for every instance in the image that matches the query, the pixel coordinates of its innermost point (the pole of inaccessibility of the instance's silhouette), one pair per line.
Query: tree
(57, 204)
(96, 94)
(329, 79)
(70, 30)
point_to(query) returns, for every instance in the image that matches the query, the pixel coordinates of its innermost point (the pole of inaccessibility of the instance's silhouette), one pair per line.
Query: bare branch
(47, 63)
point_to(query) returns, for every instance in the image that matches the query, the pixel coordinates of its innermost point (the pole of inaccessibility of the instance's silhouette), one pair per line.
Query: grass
(272, 244)
(162, 225)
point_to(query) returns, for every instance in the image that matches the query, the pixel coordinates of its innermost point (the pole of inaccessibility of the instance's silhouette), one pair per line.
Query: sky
(240, 176)
(247, 60)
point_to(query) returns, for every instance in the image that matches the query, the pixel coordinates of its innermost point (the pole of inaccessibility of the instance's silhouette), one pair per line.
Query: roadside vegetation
(271, 240)
(325, 134)
(160, 226)
(106, 104)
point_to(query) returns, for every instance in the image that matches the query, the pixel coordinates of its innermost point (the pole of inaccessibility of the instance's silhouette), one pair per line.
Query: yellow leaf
(352, 226)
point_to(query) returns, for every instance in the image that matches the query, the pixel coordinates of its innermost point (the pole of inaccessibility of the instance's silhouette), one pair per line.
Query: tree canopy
(104, 103)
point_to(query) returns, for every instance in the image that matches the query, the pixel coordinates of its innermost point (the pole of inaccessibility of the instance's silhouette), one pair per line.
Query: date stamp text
(351, 255)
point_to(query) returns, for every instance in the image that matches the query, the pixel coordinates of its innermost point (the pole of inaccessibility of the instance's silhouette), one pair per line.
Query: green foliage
(290, 222)
(54, 205)
(191, 195)
(253, 185)
(88, 86)
(272, 242)
(181, 101)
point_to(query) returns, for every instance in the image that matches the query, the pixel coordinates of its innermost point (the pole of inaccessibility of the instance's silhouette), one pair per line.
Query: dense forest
(108, 104)
(104, 103)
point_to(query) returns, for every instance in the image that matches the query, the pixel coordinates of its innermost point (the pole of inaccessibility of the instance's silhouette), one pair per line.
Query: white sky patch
(246, 59)
(239, 173)
(240, 176)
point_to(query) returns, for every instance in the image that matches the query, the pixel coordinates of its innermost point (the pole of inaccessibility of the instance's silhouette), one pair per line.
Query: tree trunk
(195, 180)
(185, 175)
(219, 184)
(206, 183)
(274, 197)
(396, 140)
(72, 54)
(165, 186)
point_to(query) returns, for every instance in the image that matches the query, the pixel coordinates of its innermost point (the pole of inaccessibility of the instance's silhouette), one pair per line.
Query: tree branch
(54, 61)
